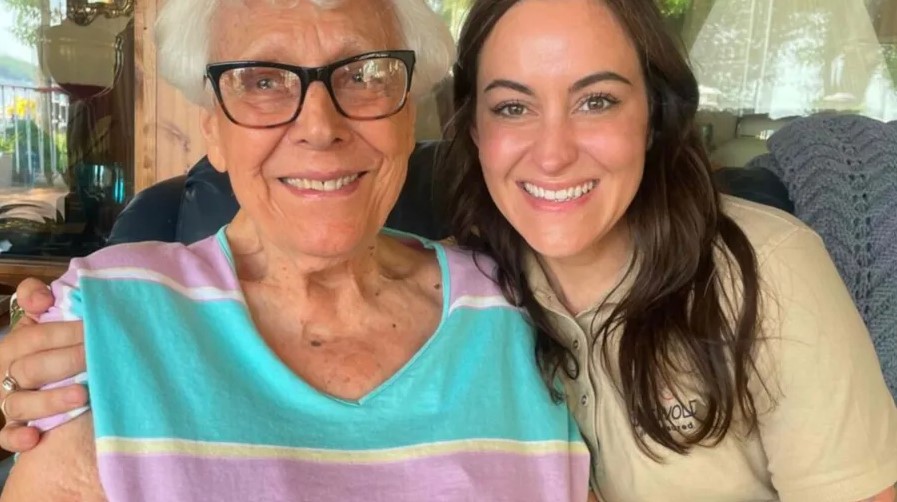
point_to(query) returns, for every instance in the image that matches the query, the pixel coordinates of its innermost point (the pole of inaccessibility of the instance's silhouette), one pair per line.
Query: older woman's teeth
(321, 186)
(564, 195)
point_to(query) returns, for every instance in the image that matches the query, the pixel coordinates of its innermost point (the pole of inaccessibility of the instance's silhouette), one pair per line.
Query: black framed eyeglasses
(263, 94)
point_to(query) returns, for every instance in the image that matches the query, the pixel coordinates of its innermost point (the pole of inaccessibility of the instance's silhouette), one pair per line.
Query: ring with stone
(10, 384)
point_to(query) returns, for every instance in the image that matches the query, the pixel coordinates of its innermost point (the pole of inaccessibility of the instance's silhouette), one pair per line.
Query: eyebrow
(577, 86)
(594, 78)
(509, 84)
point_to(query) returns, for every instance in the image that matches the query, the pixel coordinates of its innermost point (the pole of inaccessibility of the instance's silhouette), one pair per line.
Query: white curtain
(792, 57)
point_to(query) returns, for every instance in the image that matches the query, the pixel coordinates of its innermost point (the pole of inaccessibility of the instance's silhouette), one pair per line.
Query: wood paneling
(14, 271)
(145, 92)
(168, 138)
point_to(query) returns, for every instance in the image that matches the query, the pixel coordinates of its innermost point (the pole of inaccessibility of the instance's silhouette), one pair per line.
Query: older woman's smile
(338, 185)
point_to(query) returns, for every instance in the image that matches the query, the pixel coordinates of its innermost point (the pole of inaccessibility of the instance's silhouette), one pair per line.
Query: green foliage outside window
(29, 14)
(674, 8)
(890, 54)
(28, 143)
(7, 144)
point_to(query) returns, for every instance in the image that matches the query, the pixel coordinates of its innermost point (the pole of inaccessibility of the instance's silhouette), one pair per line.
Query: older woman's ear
(208, 123)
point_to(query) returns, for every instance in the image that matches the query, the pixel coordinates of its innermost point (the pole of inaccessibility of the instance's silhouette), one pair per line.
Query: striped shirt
(190, 404)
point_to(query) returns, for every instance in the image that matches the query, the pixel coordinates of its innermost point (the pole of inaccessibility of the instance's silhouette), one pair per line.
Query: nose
(319, 124)
(555, 145)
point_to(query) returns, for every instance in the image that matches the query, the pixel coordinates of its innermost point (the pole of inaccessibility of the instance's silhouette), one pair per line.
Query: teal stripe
(221, 237)
(221, 383)
(75, 304)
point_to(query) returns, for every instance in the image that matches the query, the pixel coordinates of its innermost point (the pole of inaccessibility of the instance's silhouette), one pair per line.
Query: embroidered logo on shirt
(678, 415)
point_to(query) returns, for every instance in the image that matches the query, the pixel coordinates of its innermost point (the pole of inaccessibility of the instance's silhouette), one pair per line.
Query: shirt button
(575, 344)
(584, 400)
(572, 366)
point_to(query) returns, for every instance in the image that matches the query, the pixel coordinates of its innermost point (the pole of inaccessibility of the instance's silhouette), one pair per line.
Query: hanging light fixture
(83, 12)
(83, 53)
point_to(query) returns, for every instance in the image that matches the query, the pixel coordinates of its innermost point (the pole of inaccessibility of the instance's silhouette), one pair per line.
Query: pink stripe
(203, 264)
(469, 279)
(494, 477)
(79, 378)
(49, 423)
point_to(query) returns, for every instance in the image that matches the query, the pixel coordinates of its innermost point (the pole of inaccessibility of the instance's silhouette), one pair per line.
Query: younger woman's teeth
(563, 195)
(321, 186)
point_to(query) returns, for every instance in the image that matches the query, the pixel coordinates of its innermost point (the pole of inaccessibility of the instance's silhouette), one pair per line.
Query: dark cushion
(755, 183)
(208, 203)
(415, 211)
(152, 215)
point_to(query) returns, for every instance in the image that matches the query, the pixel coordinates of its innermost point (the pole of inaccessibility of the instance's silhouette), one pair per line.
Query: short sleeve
(66, 308)
(830, 427)
(67, 293)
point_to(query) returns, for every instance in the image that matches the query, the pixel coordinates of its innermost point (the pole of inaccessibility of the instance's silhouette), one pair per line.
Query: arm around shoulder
(829, 427)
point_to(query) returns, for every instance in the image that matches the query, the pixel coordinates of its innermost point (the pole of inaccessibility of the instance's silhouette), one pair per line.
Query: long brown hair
(677, 317)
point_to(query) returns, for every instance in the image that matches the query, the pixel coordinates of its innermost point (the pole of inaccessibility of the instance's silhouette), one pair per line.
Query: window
(66, 124)
(760, 63)
(793, 57)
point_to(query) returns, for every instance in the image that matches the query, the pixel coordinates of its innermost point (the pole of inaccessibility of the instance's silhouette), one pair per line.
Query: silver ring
(10, 384)
(3, 407)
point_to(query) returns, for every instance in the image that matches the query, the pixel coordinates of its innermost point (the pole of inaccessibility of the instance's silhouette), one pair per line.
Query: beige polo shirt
(829, 434)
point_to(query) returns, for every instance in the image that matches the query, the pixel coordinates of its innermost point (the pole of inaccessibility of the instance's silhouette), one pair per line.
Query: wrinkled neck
(359, 274)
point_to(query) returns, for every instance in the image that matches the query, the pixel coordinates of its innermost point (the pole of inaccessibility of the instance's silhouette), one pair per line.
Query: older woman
(302, 353)
(710, 349)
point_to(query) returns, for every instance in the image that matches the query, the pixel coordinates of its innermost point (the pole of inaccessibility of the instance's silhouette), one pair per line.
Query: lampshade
(83, 60)
(792, 57)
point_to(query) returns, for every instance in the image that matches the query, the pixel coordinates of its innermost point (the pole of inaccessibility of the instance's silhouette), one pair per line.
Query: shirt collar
(548, 299)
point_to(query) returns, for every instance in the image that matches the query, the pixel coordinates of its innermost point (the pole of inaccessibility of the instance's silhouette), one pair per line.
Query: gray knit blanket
(841, 173)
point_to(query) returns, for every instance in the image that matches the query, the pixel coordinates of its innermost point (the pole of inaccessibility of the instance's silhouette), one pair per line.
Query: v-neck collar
(253, 337)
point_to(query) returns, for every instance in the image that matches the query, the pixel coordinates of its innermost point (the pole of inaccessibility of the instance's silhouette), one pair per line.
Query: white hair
(184, 32)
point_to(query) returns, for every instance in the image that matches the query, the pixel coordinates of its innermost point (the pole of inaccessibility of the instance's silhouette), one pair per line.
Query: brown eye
(597, 103)
(510, 110)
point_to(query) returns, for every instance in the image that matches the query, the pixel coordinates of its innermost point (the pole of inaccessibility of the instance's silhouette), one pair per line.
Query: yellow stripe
(109, 445)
